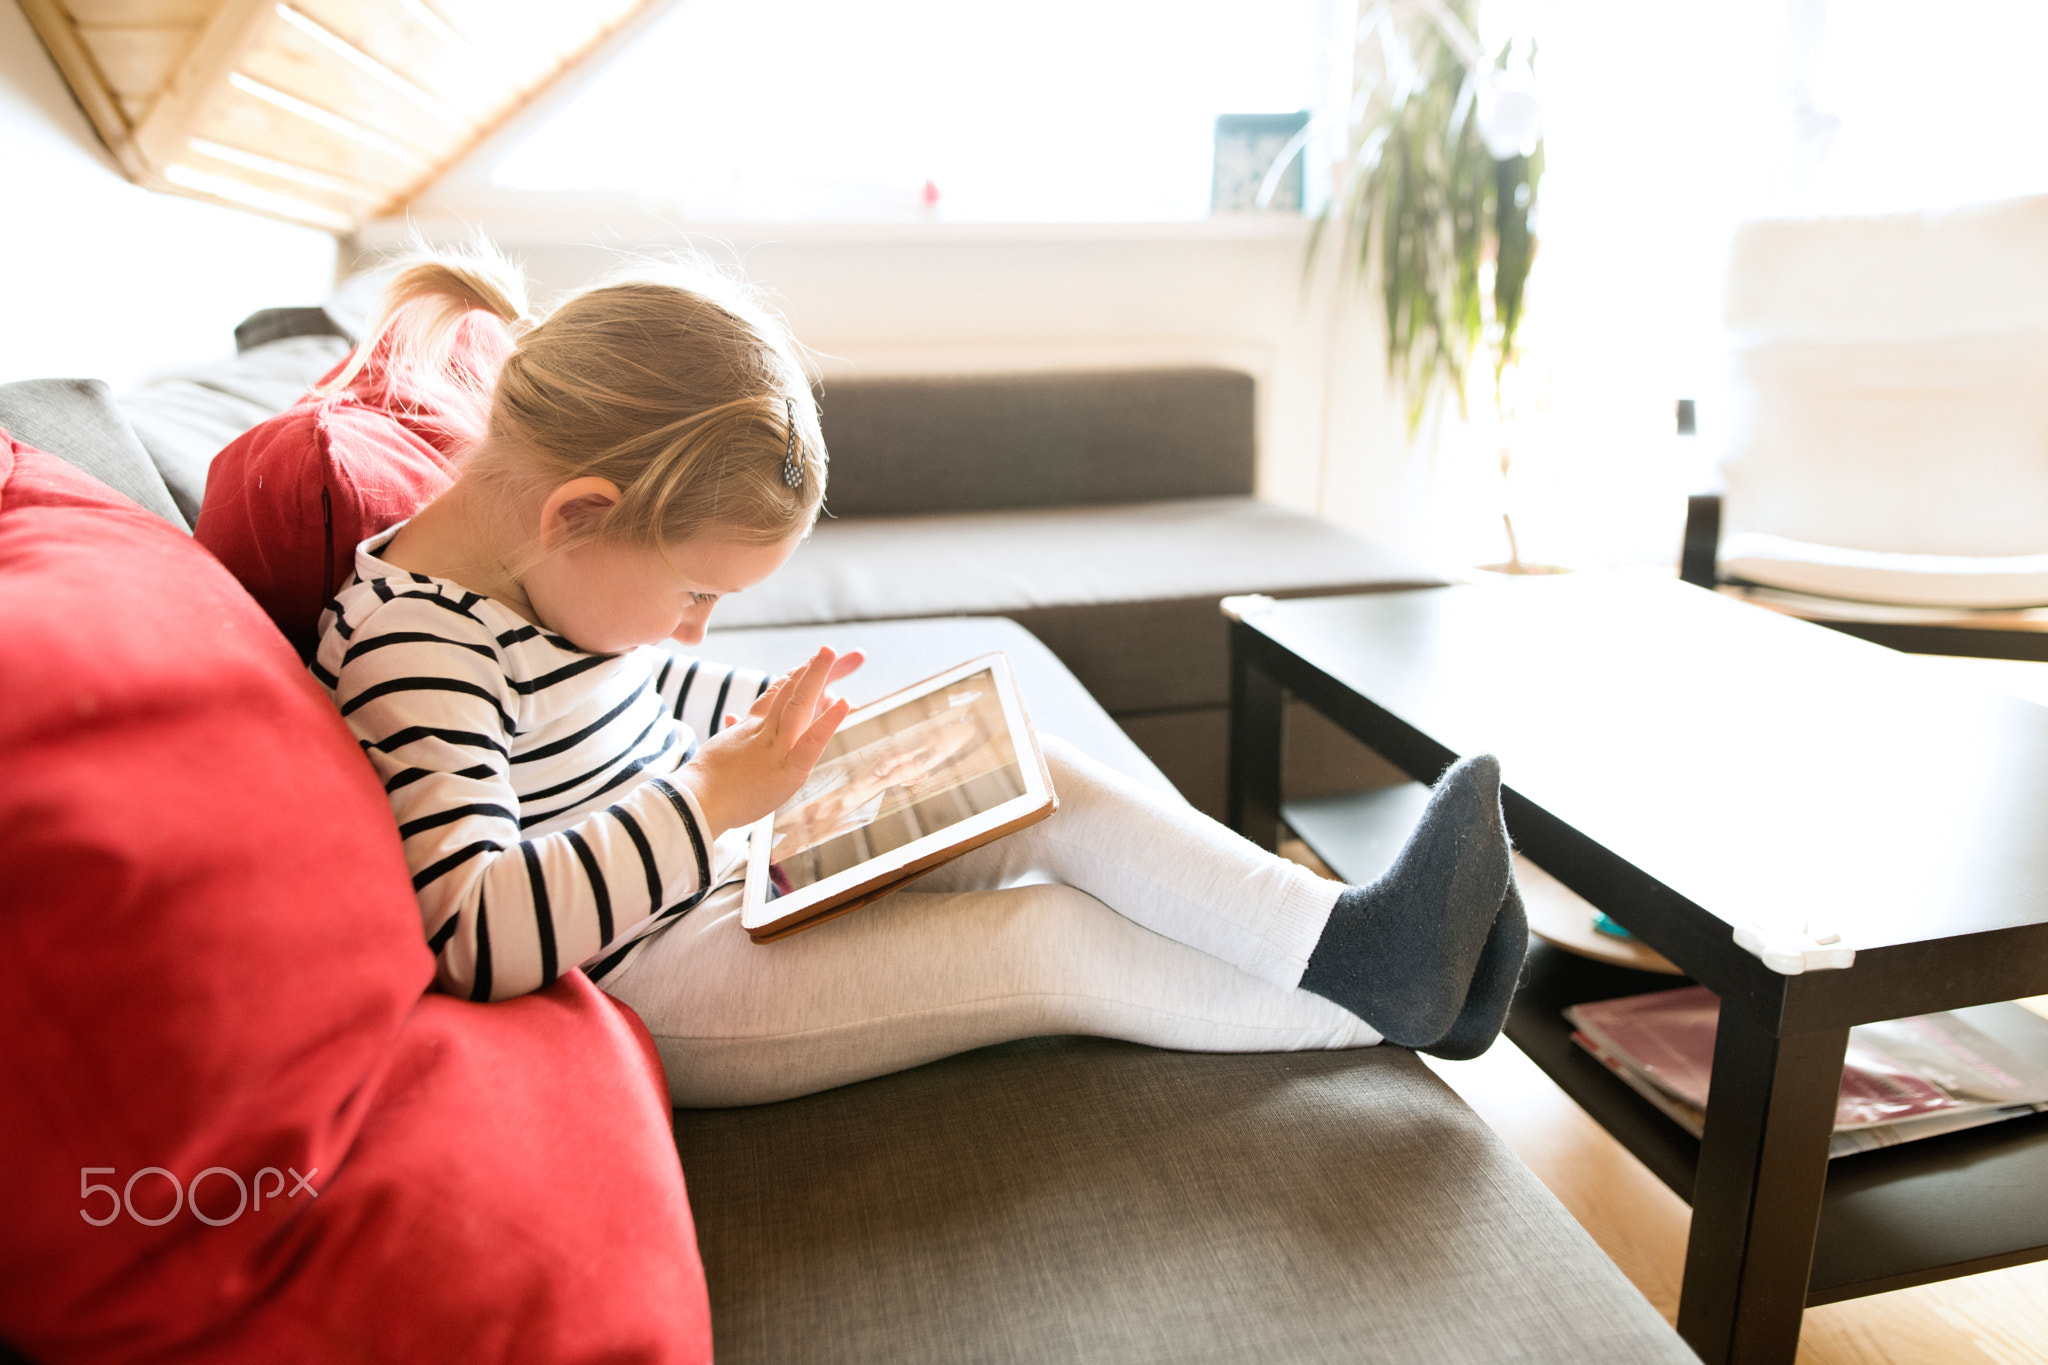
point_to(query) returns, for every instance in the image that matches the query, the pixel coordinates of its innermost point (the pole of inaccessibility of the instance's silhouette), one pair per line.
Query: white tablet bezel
(759, 913)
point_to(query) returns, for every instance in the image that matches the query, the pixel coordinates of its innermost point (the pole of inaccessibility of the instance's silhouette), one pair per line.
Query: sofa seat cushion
(1964, 582)
(903, 652)
(1079, 1200)
(211, 977)
(1124, 594)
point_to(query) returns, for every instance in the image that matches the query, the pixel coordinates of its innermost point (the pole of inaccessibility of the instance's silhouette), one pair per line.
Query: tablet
(909, 782)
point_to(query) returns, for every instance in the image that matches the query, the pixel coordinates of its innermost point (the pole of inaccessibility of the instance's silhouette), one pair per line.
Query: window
(1915, 105)
(1666, 127)
(1059, 111)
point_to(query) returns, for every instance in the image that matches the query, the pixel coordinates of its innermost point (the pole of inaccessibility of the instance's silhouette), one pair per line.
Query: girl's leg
(1158, 861)
(918, 976)
(1428, 954)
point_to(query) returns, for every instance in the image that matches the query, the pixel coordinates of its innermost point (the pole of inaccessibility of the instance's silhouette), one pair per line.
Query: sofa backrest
(78, 417)
(901, 446)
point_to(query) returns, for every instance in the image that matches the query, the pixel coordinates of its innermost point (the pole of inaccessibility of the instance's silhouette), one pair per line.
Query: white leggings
(1126, 915)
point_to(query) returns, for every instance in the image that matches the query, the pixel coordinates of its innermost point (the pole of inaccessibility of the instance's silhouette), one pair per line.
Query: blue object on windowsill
(1605, 924)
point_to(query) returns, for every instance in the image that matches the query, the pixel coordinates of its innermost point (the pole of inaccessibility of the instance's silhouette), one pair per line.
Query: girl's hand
(755, 764)
(844, 665)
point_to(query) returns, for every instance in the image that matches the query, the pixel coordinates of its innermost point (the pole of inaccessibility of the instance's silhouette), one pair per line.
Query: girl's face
(609, 598)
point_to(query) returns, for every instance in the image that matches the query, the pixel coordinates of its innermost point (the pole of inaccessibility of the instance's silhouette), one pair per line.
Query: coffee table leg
(1254, 798)
(1756, 1199)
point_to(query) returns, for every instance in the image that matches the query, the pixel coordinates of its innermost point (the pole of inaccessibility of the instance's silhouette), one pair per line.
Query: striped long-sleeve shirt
(531, 780)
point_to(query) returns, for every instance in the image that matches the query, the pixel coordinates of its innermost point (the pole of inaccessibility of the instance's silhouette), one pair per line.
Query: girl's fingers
(805, 690)
(815, 739)
(847, 662)
(784, 689)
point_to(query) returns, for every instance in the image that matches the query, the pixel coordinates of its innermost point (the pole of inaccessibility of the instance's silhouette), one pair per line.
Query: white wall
(935, 297)
(939, 297)
(103, 279)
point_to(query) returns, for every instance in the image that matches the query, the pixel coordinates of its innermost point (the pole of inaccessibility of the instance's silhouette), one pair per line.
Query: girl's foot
(1493, 985)
(1441, 927)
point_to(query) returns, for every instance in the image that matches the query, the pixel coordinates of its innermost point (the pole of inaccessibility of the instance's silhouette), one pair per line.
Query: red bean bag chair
(237, 1127)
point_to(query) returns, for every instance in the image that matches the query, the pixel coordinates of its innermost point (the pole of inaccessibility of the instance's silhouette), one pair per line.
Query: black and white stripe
(530, 779)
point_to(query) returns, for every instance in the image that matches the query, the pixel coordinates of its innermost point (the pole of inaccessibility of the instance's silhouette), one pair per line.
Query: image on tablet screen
(892, 779)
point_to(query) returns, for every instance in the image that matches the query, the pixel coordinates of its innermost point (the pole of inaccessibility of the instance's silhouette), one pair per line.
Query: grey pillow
(76, 420)
(183, 421)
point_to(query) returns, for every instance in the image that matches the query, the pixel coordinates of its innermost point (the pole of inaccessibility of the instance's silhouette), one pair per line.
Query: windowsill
(511, 217)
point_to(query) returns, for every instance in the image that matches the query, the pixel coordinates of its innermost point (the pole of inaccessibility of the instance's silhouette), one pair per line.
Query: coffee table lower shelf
(1907, 1215)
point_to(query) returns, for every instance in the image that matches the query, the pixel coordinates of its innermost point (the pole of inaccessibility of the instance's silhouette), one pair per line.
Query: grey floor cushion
(78, 420)
(1079, 1200)
(1124, 593)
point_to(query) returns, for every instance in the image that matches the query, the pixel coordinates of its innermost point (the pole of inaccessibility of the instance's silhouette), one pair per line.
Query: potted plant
(1439, 191)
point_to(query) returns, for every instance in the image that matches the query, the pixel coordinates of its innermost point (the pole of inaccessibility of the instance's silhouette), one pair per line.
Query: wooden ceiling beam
(227, 37)
(53, 24)
(322, 112)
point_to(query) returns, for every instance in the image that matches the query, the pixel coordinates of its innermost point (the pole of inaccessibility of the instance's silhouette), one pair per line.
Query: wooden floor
(1995, 1319)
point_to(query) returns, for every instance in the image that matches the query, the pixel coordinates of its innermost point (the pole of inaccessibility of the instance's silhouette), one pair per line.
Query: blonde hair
(675, 383)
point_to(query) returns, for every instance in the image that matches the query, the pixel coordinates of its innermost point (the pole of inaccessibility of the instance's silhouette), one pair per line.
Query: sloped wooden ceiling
(324, 112)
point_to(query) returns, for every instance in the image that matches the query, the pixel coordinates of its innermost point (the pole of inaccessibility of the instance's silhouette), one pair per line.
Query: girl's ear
(572, 508)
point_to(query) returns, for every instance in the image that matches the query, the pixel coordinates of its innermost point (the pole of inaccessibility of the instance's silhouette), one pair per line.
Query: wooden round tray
(1559, 916)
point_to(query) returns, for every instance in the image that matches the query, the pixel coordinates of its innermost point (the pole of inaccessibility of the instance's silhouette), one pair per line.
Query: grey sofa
(1105, 513)
(1070, 1199)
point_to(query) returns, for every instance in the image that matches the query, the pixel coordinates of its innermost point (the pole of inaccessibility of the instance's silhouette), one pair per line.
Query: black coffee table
(1687, 763)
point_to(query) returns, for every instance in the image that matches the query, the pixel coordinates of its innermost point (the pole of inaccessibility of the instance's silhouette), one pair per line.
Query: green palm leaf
(1426, 204)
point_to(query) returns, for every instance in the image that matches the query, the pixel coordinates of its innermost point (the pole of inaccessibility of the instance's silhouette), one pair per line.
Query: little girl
(574, 794)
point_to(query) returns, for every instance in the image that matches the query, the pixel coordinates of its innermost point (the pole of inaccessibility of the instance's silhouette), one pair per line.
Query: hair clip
(792, 472)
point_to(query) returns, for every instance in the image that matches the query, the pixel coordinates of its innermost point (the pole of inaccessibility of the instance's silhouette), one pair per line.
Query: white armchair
(1887, 462)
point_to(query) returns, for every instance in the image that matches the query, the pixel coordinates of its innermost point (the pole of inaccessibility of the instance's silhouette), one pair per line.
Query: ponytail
(444, 325)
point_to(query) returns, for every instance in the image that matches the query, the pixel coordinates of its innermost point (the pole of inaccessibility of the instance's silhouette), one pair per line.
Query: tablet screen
(885, 782)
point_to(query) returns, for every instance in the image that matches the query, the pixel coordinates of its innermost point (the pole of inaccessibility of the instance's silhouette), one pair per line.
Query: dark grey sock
(1493, 985)
(1401, 953)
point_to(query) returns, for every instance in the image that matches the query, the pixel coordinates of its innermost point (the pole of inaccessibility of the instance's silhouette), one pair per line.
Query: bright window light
(1666, 127)
(1928, 105)
(1059, 111)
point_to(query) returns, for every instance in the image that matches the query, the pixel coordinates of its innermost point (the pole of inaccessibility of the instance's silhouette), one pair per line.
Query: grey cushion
(185, 419)
(266, 325)
(76, 419)
(903, 652)
(1078, 1200)
(951, 444)
(1125, 595)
